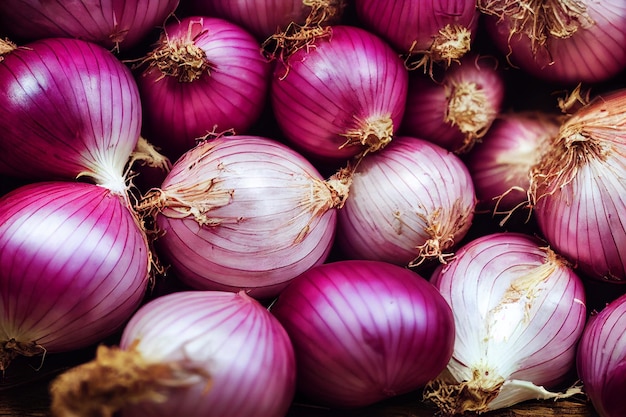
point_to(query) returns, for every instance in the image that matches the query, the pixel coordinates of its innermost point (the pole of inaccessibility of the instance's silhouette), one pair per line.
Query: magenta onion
(501, 164)
(410, 203)
(601, 359)
(73, 267)
(565, 42)
(364, 331)
(341, 95)
(429, 31)
(110, 23)
(578, 189)
(204, 74)
(456, 111)
(519, 311)
(243, 212)
(69, 109)
(190, 353)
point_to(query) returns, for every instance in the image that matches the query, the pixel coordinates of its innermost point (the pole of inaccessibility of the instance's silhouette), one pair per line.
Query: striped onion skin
(601, 358)
(351, 86)
(519, 311)
(70, 109)
(594, 52)
(229, 92)
(117, 24)
(74, 265)
(241, 346)
(244, 212)
(410, 203)
(364, 331)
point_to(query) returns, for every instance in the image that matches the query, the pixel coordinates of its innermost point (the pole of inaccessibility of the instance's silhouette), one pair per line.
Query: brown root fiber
(6, 46)
(465, 397)
(468, 109)
(372, 134)
(11, 349)
(451, 44)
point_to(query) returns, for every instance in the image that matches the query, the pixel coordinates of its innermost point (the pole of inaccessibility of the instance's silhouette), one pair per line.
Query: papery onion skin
(110, 23)
(364, 331)
(601, 359)
(409, 204)
(73, 265)
(70, 109)
(578, 189)
(349, 86)
(264, 216)
(590, 50)
(229, 93)
(244, 349)
(519, 312)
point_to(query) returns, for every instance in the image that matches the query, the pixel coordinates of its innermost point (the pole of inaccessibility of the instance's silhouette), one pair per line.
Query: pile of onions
(456, 111)
(192, 354)
(578, 188)
(601, 360)
(70, 109)
(560, 41)
(204, 74)
(500, 165)
(244, 213)
(109, 23)
(519, 311)
(74, 266)
(410, 203)
(364, 331)
(339, 94)
(428, 31)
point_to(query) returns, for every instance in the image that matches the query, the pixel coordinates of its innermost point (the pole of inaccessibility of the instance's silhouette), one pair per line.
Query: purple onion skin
(601, 359)
(110, 23)
(364, 331)
(73, 264)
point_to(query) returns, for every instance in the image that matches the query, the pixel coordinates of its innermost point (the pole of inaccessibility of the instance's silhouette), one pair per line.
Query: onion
(561, 41)
(243, 213)
(203, 74)
(601, 359)
(110, 23)
(341, 95)
(264, 18)
(428, 31)
(70, 109)
(73, 267)
(519, 311)
(190, 353)
(578, 189)
(364, 331)
(458, 110)
(410, 203)
(500, 166)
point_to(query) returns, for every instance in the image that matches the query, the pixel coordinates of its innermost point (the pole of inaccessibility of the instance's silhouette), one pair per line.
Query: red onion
(109, 23)
(364, 331)
(203, 74)
(190, 353)
(341, 95)
(578, 189)
(601, 359)
(458, 110)
(429, 31)
(410, 203)
(243, 212)
(70, 109)
(73, 267)
(519, 311)
(501, 164)
(560, 41)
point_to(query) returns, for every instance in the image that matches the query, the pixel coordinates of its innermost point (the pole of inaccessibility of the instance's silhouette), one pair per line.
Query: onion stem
(468, 109)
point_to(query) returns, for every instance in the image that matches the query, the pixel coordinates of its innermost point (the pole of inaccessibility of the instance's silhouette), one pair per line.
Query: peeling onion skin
(519, 312)
(364, 331)
(410, 195)
(74, 265)
(601, 359)
(110, 23)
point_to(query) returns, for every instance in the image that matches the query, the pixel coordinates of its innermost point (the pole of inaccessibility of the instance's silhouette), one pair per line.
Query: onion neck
(469, 110)
(11, 349)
